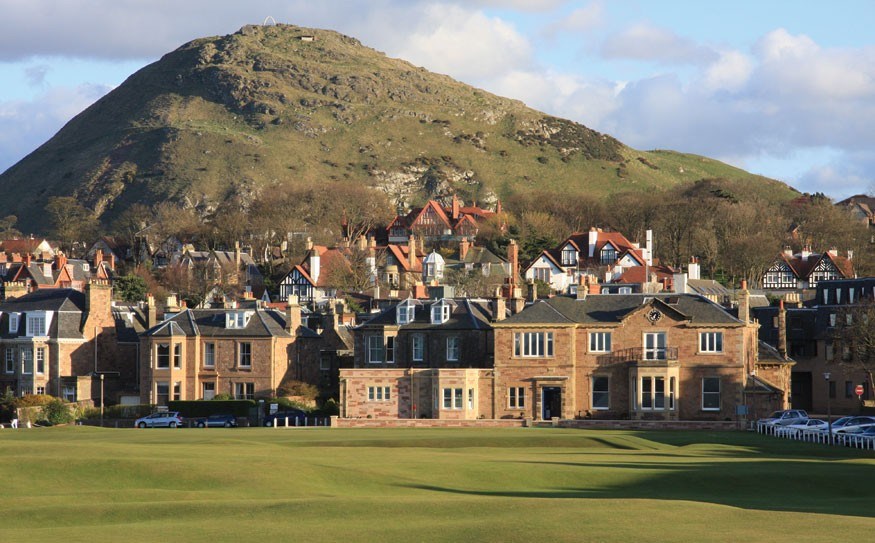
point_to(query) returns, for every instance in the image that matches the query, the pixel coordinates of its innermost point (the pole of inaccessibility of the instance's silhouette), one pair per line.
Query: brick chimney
(315, 264)
(498, 207)
(60, 261)
(464, 245)
(782, 329)
(693, 270)
(513, 256)
(98, 258)
(361, 243)
(27, 259)
(455, 207)
(533, 291)
(293, 315)
(236, 256)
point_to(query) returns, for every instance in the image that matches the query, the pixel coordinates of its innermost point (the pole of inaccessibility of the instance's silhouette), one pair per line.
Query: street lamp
(828, 408)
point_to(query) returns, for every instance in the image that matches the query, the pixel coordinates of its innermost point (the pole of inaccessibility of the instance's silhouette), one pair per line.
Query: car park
(216, 421)
(810, 425)
(855, 426)
(162, 419)
(295, 417)
(785, 417)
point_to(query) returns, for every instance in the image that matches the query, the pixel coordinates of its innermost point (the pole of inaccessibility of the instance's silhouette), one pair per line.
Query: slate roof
(466, 314)
(211, 323)
(613, 308)
(68, 305)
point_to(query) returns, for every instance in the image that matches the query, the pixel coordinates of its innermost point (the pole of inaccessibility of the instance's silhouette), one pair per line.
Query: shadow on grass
(769, 485)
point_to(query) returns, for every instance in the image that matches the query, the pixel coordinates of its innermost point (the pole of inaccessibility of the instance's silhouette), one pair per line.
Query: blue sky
(781, 88)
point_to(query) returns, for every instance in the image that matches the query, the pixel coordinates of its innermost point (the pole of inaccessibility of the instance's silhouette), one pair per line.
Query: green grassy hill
(90, 484)
(234, 116)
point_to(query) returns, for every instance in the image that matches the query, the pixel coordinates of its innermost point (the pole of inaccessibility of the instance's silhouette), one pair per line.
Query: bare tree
(854, 337)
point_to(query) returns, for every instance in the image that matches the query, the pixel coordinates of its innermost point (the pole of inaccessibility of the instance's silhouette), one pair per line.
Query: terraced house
(197, 353)
(666, 356)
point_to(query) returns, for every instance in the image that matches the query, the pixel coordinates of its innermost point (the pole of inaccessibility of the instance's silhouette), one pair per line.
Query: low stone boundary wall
(651, 425)
(426, 423)
(337, 422)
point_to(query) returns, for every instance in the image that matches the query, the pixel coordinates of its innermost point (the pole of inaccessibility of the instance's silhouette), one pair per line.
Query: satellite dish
(269, 21)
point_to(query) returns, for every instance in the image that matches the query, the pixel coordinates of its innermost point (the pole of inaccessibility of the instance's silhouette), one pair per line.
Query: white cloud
(25, 125)
(467, 45)
(644, 41)
(730, 72)
(581, 19)
(36, 75)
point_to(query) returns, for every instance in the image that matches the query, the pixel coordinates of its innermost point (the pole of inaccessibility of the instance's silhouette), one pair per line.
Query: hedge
(202, 408)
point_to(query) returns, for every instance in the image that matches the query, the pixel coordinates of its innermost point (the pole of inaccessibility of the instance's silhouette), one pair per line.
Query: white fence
(817, 436)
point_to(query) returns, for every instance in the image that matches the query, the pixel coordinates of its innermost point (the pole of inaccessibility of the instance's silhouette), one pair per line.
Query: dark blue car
(280, 417)
(222, 421)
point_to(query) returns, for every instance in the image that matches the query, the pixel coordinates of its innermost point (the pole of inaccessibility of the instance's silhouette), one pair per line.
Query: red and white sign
(859, 390)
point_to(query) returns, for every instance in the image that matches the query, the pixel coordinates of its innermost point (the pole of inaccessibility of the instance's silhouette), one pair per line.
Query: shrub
(57, 412)
(287, 403)
(329, 408)
(34, 400)
(301, 389)
(223, 397)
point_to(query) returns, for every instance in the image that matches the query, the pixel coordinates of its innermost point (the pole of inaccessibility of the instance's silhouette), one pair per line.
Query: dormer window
(13, 323)
(37, 323)
(569, 256)
(440, 312)
(406, 311)
(608, 254)
(237, 319)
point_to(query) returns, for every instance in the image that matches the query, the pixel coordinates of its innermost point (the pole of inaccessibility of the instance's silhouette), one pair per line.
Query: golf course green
(528, 484)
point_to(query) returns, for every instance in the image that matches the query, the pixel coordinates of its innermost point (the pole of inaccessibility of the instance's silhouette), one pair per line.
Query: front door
(551, 402)
(800, 390)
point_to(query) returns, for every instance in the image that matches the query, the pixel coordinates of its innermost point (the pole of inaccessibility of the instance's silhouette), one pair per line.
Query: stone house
(664, 356)
(195, 354)
(807, 333)
(423, 359)
(61, 341)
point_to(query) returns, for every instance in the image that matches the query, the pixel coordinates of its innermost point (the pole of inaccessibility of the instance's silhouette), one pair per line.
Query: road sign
(859, 390)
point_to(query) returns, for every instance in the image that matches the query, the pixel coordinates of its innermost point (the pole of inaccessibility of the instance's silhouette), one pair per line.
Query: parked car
(216, 421)
(854, 426)
(786, 417)
(281, 416)
(169, 419)
(810, 425)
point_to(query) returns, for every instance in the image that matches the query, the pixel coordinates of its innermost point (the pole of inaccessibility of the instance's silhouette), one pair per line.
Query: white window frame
(599, 342)
(242, 391)
(27, 360)
(209, 354)
(533, 344)
(204, 389)
(40, 360)
(375, 349)
(655, 351)
(10, 360)
(516, 397)
(177, 356)
(379, 394)
(417, 347)
(159, 356)
(13, 323)
(569, 256)
(453, 348)
(36, 324)
(440, 313)
(711, 342)
(406, 313)
(40, 391)
(69, 393)
(711, 393)
(452, 398)
(606, 391)
(653, 396)
(244, 355)
(390, 349)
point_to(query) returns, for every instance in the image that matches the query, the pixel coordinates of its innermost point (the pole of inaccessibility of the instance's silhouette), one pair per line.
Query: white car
(854, 426)
(810, 425)
(167, 419)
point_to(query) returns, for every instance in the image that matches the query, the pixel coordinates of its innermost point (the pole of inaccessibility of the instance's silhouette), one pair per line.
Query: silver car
(165, 419)
(786, 417)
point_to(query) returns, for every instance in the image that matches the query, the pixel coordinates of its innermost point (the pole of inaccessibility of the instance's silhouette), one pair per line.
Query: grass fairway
(253, 484)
